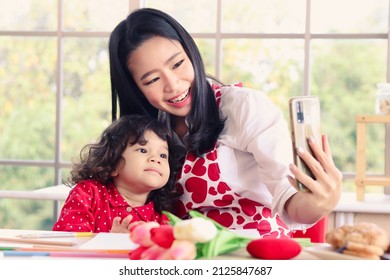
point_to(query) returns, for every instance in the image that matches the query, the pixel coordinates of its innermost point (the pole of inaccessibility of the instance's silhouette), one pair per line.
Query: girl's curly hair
(98, 160)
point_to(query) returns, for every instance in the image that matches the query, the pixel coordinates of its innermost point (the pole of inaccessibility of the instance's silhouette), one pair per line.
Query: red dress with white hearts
(205, 191)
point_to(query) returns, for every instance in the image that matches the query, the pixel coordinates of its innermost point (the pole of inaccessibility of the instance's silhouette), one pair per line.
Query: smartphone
(305, 122)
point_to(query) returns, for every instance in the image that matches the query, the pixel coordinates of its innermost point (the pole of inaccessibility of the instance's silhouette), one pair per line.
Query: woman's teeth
(179, 98)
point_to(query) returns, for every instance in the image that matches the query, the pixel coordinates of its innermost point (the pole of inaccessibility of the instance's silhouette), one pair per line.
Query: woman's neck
(180, 126)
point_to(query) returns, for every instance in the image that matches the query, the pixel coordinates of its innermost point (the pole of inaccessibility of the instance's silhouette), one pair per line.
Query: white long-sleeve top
(255, 149)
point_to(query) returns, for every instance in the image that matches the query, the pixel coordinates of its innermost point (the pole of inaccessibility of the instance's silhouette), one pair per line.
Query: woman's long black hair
(205, 123)
(98, 160)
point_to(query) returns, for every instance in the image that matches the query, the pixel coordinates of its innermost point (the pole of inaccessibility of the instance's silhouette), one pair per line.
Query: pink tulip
(154, 252)
(182, 250)
(136, 254)
(140, 234)
(162, 236)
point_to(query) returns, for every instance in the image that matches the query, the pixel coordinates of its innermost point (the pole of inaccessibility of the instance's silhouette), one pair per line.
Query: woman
(237, 160)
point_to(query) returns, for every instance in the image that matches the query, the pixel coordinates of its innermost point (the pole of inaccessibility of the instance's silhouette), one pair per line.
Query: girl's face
(145, 167)
(165, 75)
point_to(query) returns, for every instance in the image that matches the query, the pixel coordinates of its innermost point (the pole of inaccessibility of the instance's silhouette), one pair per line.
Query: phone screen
(305, 122)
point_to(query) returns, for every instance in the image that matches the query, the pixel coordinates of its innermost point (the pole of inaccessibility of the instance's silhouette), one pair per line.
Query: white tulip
(195, 230)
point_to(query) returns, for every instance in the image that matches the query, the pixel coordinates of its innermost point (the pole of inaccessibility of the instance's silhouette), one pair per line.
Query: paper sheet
(110, 241)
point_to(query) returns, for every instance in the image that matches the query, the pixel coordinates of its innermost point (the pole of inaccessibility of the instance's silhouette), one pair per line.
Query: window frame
(58, 164)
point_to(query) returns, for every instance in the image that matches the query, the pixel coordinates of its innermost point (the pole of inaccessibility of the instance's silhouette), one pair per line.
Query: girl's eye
(165, 156)
(178, 64)
(142, 150)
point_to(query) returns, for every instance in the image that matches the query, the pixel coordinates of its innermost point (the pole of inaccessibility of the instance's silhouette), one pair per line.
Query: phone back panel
(305, 122)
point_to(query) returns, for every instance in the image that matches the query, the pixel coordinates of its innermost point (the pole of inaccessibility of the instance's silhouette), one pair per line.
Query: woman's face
(165, 75)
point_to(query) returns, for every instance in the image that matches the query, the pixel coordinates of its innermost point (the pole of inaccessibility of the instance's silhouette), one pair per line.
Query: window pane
(196, 16)
(91, 15)
(28, 94)
(65, 173)
(25, 177)
(26, 214)
(34, 15)
(344, 76)
(272, 66)
(207, 51)
(349, 16)
(263, 16)
(87, 93)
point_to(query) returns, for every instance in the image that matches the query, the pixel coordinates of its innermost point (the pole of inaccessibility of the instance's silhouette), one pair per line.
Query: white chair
(57, 194)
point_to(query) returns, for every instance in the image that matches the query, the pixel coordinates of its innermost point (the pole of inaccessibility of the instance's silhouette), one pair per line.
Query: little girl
(123, 178)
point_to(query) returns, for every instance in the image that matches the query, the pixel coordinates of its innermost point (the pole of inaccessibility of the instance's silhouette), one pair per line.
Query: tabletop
(120, 243)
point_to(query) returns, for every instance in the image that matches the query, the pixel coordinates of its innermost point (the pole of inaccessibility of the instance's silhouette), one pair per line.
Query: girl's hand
(324, 191)
(121, 227)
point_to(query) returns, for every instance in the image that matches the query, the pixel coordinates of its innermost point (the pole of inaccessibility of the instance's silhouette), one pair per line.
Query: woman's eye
(178, 64)
(151, 81)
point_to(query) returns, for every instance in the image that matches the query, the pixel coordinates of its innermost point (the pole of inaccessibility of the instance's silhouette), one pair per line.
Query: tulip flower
(162, 235)
(195, 238)
(195, 230)
(224, 240)
(182, 250)
(140, 234)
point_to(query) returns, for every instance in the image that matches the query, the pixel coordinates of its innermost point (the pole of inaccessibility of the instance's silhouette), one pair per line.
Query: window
(54, 75)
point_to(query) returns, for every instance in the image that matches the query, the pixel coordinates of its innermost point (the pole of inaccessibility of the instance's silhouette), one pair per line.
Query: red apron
(205, 191)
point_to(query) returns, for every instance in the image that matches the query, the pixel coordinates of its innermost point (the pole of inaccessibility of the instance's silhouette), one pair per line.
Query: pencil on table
(36, 241)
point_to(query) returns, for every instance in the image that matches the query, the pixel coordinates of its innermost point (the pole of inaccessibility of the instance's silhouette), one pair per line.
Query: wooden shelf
(374, 180)
(362, 180)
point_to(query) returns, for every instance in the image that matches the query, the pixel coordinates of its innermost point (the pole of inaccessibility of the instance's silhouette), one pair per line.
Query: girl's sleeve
(76, 214)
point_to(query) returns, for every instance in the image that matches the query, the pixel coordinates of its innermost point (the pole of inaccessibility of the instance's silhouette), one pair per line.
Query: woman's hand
(324, 191)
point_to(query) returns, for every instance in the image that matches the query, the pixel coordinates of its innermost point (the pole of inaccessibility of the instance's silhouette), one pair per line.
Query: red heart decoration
(198, 188)
(224, 219)
(212, 191)
(191, 157)
(213, 172)
(186, 168)
(264, 227)
(257, 217)
(189, 205)
(274, 248)
(240, 220)
(266, 213)
(223, 187)
(212, 155)
(225, 201)
(199, 169)
(248, 206)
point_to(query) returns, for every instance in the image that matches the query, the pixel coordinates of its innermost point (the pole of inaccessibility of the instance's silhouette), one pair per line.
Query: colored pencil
(36, 241)
(7, 248)
(23, 254)
(88, 255)
(71, 249)
(56, 235)
(17, 253)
